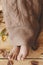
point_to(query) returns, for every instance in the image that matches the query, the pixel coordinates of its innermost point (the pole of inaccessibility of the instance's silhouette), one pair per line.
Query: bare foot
(24, 50)
(14, 52)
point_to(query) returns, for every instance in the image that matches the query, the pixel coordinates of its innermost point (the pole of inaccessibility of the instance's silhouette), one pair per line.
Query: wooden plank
(25, 62)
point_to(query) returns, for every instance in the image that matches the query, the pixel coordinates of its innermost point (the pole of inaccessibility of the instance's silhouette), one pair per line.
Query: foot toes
(14, 56)
(14, 52)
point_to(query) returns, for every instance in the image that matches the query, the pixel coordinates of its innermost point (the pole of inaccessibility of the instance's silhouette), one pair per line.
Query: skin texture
(22, 19)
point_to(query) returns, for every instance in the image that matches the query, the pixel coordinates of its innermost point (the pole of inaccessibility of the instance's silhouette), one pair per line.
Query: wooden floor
(34, 57)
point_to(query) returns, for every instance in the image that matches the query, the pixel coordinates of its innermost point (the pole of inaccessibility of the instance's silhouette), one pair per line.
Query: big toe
(23, 53)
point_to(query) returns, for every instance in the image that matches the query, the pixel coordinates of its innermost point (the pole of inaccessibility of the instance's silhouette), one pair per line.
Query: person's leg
(20, 23)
